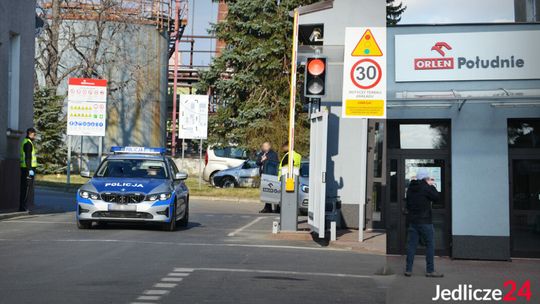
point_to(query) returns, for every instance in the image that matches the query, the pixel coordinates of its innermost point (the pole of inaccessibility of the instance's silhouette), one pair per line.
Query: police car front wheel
(84, 224)
(171, 226)
(185, 219)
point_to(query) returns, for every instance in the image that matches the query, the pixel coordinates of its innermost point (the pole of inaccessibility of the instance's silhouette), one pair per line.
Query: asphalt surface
(226, 255)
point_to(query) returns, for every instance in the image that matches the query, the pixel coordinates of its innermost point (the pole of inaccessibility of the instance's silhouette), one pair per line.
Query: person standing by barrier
(28, 164)
(284, 163)
(266, 156)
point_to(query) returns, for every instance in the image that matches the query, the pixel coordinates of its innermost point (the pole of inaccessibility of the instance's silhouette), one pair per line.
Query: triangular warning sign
(367, 46)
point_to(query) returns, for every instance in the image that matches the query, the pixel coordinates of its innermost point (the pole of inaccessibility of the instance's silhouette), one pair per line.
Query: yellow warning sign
(367, 46)
(372, 108)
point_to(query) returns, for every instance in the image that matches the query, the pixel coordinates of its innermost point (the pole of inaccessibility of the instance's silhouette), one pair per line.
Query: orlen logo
(443, 63)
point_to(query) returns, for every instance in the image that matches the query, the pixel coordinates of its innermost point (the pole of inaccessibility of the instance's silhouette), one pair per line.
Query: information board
(87, 107)
(193, 117)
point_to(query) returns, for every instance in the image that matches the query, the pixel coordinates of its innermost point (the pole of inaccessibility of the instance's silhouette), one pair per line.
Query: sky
(457, 11)
(204, 12)
(201, 14)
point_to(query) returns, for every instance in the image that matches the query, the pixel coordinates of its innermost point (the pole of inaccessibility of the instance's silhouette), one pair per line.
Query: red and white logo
(440, 63)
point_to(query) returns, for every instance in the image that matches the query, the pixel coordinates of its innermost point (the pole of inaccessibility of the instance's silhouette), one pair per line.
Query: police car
(134, 184)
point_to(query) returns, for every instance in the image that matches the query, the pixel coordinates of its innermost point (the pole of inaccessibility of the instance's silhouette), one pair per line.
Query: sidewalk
(474, 274)
(374, 242)
(419, 289)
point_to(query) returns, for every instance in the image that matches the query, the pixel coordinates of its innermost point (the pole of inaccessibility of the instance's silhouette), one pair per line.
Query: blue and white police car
(134, 184)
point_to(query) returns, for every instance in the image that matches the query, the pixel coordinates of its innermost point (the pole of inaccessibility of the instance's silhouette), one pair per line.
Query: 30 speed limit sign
(364, 73)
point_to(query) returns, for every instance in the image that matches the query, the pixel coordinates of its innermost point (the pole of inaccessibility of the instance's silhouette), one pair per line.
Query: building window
(524, 133)
(414, 135)
(14, 61)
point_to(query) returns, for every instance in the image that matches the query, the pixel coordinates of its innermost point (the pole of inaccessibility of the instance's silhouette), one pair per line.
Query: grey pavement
(226, 255)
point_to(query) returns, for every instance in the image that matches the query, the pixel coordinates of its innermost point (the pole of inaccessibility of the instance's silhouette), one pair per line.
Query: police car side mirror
(180, 176)
(86, 174)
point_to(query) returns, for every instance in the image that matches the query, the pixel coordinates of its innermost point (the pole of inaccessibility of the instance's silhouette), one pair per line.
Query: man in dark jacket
(264, 158)
(420, 194)
(28, 164)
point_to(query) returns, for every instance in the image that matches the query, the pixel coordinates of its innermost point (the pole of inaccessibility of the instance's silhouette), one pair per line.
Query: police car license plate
(118, 207)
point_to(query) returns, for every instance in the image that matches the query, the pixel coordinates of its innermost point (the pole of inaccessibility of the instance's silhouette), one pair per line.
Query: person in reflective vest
(28, 164)
(284, 163)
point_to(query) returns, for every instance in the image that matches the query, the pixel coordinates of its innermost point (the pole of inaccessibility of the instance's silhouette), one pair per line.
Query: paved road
(226, 255)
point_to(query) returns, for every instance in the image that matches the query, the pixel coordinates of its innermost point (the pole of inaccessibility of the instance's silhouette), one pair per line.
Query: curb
(61, 189)
(5, 216)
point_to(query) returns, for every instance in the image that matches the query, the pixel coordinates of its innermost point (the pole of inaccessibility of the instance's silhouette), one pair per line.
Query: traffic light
(315, 81)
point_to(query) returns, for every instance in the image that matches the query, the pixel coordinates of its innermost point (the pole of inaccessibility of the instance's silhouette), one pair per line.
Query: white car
(218, 159)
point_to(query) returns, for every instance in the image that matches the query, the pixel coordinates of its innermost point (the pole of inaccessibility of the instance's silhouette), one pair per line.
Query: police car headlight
(159, 196)
(304, 188)
(88, 194)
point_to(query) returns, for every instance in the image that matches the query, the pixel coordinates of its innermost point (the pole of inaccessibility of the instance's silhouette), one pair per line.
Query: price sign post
(364, 90)
(87, 112)
(193, 118)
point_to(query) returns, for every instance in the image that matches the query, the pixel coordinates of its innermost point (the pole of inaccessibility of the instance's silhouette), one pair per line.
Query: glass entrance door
(403, 169)
(525, 207)
(415, 144)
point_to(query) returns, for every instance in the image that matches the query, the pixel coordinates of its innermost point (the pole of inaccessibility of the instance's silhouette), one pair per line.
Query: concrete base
(481, 247)
(289, 207)
(349, 216)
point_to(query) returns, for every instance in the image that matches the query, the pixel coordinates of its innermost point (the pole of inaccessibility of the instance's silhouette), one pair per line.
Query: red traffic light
(316, 67)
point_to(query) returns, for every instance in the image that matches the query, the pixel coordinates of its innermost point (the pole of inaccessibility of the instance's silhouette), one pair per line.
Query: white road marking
(246, 226)
(178, 274)
(165, 285)
(282, 272)
(183, 269)
(317, 248)
(156, 292)
(172, 279)
(149, 298)
(36, 222)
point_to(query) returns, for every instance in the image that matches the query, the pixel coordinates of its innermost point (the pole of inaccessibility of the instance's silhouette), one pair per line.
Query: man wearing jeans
(420, 194)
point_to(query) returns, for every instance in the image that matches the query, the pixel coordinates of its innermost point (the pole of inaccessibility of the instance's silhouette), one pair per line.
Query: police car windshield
(132, 168)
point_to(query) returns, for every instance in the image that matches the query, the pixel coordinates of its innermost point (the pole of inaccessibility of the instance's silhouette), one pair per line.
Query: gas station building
(463, 101)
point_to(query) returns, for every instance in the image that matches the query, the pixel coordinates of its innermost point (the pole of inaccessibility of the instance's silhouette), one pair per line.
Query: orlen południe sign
(468, 56)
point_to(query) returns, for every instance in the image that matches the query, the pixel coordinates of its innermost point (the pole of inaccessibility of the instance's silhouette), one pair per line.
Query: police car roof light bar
(138, 150)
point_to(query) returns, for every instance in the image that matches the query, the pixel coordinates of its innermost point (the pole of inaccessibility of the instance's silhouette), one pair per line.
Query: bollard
(275, 227)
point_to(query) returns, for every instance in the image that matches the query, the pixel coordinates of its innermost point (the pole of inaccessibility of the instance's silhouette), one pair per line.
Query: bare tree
(79, 37)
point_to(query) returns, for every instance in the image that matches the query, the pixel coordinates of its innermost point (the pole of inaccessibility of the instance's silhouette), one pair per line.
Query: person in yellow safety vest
(284, 163)
(28, 164)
